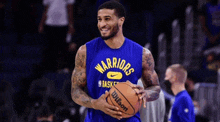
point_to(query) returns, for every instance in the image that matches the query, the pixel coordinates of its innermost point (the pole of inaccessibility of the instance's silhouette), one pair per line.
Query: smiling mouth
(104, 30)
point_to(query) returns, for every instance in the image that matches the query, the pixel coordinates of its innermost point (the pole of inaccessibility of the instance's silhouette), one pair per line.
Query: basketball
(125, 98)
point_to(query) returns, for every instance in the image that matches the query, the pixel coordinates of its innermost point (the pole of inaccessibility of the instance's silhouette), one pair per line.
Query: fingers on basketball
(125, 97)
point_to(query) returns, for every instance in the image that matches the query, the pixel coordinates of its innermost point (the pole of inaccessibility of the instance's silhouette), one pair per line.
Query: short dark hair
(114, 5)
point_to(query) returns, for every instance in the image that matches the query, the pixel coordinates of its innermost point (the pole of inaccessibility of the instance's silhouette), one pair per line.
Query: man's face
(169, 75)
(107, 23)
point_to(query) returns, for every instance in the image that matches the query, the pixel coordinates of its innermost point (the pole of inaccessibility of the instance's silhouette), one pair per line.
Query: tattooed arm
(79, 83)
(79, 79)
(151, 89)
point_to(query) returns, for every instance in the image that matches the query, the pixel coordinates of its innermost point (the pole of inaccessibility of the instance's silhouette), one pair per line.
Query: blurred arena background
(171, 29)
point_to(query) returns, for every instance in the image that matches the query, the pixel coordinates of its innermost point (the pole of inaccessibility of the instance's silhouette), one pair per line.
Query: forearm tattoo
(80, 97)
(79, 81)
(153, 93)
(149, 76)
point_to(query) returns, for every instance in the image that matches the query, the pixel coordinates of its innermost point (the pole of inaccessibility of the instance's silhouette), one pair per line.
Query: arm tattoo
(149, 76)
(147, 58)
(148, 68)
(153, 93)
(78, 79)
(80, 97)
(80, 60)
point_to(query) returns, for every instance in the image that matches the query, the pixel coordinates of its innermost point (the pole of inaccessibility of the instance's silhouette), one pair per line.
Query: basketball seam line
(127, 100)
(135, 92)
(137, 95)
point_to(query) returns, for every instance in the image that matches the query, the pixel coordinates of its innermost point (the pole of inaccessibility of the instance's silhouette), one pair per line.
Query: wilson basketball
(125, 98)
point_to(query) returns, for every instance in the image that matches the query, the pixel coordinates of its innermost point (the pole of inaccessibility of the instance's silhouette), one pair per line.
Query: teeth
(104, 29)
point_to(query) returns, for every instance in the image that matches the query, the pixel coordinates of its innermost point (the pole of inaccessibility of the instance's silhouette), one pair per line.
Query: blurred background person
(57, 22)
(212, 62)
(182, 109)
(210, 22)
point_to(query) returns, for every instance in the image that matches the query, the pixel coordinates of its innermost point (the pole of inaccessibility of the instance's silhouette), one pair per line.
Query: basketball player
(182, 109)
(108, 60)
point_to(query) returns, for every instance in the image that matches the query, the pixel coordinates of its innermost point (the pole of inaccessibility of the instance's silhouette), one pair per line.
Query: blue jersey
(106, 67)
(183, 108)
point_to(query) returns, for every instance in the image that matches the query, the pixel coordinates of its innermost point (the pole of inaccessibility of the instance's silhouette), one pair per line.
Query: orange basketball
(125, 98)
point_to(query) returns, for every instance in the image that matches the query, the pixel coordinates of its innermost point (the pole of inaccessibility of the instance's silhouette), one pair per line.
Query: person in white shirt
(56, 22)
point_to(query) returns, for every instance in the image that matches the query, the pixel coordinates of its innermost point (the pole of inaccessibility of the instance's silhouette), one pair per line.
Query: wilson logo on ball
(118, 101)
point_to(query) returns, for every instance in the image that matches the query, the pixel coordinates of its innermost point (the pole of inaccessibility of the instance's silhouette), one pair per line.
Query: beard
(112, 33)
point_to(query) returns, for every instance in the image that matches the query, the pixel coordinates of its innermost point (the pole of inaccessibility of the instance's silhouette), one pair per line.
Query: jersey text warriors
(106, 67)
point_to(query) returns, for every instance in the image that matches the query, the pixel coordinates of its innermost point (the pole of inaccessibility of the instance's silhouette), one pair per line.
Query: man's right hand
(101, 104)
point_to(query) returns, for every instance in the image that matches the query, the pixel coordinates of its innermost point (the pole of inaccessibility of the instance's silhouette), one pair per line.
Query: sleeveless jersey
(106, 67)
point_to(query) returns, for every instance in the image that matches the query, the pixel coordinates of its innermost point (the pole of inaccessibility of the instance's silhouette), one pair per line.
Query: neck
(176, 88)
(117, 41)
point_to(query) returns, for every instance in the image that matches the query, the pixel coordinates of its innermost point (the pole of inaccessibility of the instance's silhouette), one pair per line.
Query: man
(108, 60)
(56, 22)
(182, 109)
(210, 23)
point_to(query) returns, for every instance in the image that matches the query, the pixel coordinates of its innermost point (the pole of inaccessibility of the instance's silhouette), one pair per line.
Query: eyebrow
(105, 16)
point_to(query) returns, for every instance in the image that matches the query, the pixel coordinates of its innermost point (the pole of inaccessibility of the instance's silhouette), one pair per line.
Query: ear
(121, 21)
(175, 77)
